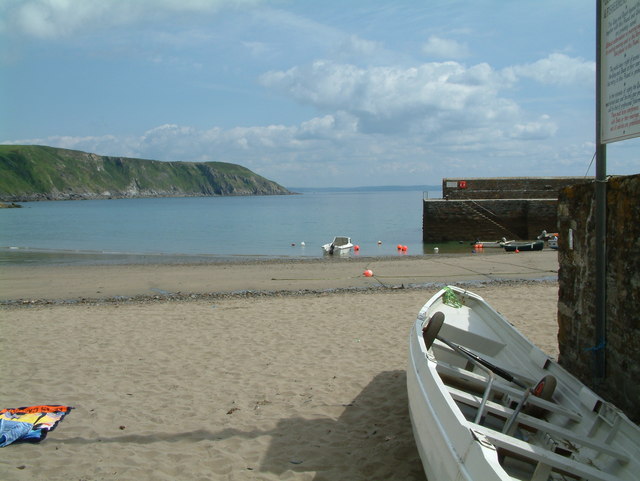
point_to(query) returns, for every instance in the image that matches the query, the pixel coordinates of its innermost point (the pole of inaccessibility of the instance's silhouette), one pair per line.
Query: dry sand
(307, 383)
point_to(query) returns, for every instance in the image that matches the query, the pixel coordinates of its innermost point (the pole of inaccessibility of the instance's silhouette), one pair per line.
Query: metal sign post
(599, 365)
(617, 118)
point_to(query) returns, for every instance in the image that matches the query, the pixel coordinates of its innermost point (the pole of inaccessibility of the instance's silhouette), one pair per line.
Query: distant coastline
(36, 172)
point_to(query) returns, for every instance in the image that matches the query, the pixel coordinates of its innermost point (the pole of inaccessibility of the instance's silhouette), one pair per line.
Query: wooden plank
(544, 456)
(500, 387)
(538, 424)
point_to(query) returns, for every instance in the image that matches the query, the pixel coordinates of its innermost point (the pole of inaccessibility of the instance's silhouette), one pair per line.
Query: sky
(331, 93)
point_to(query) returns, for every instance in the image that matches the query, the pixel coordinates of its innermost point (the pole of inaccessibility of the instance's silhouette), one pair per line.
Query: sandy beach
(247, 371)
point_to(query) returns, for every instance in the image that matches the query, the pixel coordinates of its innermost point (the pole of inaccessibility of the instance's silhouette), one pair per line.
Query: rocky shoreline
(255, 294)
(10, 201)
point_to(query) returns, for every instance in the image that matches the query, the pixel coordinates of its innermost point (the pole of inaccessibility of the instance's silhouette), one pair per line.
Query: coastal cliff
(33, 172)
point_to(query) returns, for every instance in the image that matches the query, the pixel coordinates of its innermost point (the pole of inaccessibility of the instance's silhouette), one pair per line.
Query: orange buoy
(356, 247)
(368, 273)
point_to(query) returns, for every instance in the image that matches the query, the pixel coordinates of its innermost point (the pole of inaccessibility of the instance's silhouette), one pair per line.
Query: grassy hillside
(32, 172)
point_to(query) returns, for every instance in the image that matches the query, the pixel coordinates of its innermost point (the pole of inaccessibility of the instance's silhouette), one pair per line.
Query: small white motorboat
(339, 245)
(488, 405)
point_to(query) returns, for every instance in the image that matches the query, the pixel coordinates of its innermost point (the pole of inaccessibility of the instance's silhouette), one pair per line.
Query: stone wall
(506, 187)
(488, 220)
(576, 304)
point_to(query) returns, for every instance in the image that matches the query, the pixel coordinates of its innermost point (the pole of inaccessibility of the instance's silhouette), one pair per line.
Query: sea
(210, 229)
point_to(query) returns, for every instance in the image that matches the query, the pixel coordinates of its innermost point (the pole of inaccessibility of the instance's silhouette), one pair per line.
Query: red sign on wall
(462, 184)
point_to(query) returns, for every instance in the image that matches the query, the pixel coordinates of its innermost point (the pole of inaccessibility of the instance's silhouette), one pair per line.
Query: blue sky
(311, 93)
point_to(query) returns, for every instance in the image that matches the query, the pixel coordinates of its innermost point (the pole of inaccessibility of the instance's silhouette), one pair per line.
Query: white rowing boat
(488, 405)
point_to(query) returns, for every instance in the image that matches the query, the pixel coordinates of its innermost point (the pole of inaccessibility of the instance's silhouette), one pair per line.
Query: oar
(430, 333)
(495, 369)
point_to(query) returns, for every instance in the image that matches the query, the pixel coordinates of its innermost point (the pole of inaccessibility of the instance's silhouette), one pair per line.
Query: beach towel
(29, 423)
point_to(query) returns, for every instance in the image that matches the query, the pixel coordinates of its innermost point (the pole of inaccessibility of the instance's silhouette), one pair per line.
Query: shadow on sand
(372, 439)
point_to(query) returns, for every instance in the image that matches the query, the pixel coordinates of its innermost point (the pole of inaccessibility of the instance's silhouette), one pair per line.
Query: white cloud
(257, 49)
(557, 69)
(441, 112)
(539, 129)
(444, 48)
(353, 48)
(386, 99)
(333, 145)
(58, 18)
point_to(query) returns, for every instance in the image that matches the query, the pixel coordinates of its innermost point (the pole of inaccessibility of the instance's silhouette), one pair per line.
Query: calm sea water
(293, 226)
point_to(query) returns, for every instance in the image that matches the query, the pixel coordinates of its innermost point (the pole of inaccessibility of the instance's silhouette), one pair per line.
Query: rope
(590, 163)
(450, 298)
(599, 347)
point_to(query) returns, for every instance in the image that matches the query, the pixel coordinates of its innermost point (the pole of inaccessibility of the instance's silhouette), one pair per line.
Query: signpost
(617, 118)
(619, 49)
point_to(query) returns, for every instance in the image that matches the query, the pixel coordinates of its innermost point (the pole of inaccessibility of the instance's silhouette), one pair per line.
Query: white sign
(620, 70)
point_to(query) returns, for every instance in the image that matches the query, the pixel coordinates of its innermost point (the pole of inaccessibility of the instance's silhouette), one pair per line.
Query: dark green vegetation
(33, 172)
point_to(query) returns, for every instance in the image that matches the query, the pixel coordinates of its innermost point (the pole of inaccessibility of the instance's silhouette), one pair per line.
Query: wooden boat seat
(469, 366)
(540, 425)
(474, 379)
(545, 459)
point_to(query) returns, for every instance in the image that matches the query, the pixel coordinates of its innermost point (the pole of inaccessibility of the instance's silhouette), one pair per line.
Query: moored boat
(550, 238)
(544, 235)
(537, 245)
(499, 243)
(339, 245)
(486, 404)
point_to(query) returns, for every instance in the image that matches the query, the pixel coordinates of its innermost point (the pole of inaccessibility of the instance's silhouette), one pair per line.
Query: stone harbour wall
(487, 220)
(490, 208)
(576, 303)
(507, 187)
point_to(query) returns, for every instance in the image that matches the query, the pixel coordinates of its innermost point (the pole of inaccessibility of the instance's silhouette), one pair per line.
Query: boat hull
(336, 249)
(439, 427)
(339, 245)
(445, 392)
(525, 246)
